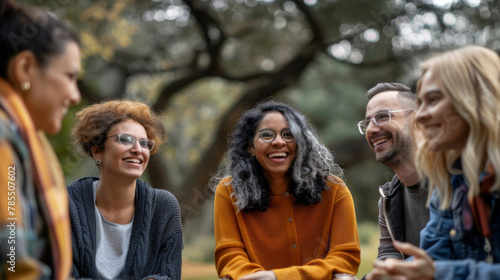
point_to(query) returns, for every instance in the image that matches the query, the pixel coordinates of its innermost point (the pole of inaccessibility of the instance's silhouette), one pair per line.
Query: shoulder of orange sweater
(335, 182)
(224, 187)
(337, 187)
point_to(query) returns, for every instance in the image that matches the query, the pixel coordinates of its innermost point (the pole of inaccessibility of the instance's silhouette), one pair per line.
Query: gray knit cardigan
(155, 249)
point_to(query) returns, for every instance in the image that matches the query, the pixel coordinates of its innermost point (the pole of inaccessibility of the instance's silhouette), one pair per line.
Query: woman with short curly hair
(282, 212)
(94, 122)
(122, 228)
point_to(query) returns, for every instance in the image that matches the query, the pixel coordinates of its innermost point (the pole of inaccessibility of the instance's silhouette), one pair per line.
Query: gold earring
(25, 86)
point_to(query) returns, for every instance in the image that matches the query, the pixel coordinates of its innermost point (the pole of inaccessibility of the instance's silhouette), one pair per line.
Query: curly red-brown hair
(94, 122)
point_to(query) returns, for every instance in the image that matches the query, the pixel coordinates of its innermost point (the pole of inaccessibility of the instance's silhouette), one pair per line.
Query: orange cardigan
(296, 241)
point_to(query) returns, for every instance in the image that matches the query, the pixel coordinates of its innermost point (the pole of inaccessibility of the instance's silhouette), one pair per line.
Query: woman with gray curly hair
(122, 228)
(282, 212)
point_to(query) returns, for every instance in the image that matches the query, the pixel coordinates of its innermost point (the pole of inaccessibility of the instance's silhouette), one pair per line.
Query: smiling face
(391, 143)
(53, 89)
(120, 160)
(441, 124)
(274, 157)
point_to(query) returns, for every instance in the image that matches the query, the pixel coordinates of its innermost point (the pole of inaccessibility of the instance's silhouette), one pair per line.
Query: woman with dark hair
(39, 66)
(282, 212)
(122, 228)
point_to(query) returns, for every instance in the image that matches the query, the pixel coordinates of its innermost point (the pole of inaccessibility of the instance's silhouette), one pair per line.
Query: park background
(200, 63)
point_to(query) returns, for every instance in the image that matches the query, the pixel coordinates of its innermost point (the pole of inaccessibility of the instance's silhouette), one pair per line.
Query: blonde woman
(458, 101)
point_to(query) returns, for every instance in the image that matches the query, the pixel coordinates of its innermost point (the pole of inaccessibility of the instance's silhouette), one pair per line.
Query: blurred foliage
(200, 63)
(202, 104)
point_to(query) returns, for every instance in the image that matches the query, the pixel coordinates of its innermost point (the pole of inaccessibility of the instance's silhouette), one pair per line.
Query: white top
(112, 244)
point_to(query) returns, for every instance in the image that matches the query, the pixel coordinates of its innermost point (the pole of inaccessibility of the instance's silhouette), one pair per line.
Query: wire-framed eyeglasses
(268, 135)
(129, 140)
(382, 118)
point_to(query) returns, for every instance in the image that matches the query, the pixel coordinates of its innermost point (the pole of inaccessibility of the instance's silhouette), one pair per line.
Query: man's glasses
(129, 140)
(380, 119)
(268, 135)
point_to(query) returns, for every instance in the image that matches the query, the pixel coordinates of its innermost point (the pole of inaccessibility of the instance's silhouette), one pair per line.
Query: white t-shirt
(112, 244)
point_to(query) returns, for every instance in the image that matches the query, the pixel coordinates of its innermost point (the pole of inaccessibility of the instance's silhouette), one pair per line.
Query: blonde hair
(470, 78)
(94, 122)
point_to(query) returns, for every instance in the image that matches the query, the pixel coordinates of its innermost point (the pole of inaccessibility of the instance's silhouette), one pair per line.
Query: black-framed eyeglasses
(382, 118)
(129, 140)
(268, 135)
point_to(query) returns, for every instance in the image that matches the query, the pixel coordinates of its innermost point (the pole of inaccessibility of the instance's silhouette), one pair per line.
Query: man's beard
(400, 153)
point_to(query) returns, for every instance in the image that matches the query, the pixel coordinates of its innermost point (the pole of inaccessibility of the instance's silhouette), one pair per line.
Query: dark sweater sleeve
(167, 222)
(81, 209)
(75, 229)
(169, 262)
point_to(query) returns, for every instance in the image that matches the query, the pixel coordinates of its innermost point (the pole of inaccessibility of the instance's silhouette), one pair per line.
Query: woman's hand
(260, 275)
(421, 268)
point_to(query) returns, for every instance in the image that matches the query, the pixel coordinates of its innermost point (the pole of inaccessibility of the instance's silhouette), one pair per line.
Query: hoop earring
(25, 86)
(98, 161)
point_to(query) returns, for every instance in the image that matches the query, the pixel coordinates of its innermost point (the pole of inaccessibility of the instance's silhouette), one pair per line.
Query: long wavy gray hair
(312, 164)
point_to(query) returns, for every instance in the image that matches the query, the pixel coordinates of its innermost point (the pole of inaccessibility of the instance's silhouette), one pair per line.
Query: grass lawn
(198, 271)
(369, 235)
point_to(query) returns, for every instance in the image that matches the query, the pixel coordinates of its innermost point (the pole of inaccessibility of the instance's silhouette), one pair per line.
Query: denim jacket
(460, 253)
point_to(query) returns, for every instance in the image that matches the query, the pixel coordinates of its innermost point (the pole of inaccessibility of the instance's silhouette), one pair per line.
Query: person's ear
(21, 69)
(251, 150)
(96, 150)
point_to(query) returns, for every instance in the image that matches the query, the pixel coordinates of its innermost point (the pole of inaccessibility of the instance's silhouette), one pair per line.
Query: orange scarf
(49, 181)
